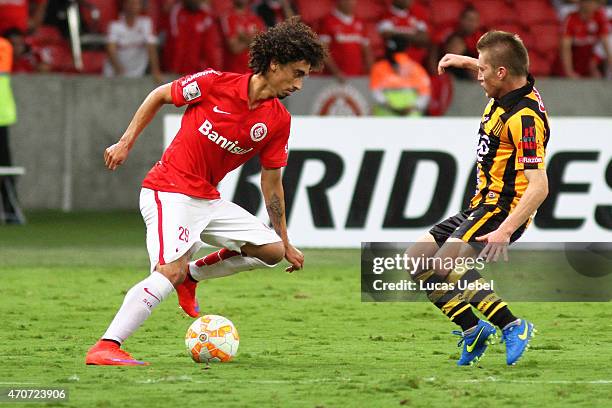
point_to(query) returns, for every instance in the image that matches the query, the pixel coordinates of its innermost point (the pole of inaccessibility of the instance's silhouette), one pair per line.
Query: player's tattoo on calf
(275, 212)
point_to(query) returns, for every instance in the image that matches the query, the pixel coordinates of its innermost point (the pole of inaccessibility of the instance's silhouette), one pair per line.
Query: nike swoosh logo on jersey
(471, 347)
(217, 110)
(523, 336)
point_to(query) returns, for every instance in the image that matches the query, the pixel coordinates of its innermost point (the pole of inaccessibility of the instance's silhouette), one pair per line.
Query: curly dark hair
(286, 42)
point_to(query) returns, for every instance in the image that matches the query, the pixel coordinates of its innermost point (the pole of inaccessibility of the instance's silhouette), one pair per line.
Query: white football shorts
(177, 224)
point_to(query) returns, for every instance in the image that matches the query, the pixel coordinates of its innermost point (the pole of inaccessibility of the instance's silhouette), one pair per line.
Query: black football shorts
(471, 223)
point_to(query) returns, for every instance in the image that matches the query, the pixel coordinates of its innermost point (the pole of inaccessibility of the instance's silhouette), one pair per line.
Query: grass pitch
(306, 339)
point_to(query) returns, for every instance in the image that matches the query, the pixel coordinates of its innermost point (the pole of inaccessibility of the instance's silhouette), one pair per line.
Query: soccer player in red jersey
(239, 28)
(229, 119)
(349, 47)
(583, 29)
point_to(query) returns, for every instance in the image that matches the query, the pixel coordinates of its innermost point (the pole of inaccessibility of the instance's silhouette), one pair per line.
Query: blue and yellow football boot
(517, 339)
(475, 343)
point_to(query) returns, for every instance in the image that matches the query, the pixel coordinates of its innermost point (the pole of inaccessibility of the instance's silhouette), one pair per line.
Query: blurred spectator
(349, 47)
(400, 85)
(193, 42)
(455, 44)
(14, 14)
(9, 210)
(25, 57)
(470, 30)
(460, 40)
(583, 29)
(274, 11)
(402, 24)
(160, 11)
(239, 28)
(131, 44)
(56, 14)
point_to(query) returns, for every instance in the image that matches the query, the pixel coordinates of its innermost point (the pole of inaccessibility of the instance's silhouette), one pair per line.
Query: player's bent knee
(423, 249)
(272, 253)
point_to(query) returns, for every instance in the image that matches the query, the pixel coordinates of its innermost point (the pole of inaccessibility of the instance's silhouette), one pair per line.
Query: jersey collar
(512, 98)
(396, 11)
(345, 18)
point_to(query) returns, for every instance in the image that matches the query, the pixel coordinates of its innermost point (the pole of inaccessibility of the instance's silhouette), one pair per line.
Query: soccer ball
(212, 338)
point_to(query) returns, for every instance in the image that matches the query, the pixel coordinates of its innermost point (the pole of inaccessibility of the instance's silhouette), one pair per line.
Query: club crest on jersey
(483, 147)
(259, 131)
(191, 91)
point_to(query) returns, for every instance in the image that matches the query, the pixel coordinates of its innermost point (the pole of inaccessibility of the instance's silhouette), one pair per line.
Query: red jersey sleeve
(326, 30)
(228, 26)
(276, 152)
(192, 89)
(568, 26)
(602, 21)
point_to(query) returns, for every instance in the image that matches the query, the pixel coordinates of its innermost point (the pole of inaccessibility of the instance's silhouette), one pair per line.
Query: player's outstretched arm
(116, 154)
(457, 61)
(274, 196)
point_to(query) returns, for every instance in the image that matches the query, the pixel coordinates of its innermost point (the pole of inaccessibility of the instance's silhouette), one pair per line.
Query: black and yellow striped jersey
(513, 133)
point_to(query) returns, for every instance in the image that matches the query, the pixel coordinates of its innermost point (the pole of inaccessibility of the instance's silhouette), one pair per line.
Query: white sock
(226, 267)
(137, 306)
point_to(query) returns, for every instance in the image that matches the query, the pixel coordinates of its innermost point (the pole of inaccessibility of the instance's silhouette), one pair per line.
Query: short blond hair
(505, 50)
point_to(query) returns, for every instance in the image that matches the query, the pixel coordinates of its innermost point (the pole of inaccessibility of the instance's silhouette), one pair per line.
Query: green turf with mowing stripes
(306, 339)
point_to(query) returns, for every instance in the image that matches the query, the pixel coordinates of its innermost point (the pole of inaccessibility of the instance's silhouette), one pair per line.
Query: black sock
(113, 341)
(485, 300)
(449, 302)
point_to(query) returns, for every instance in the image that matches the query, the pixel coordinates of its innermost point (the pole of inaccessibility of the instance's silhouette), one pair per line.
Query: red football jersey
(407, 22)
(232, 25)
(14, 14)
(585, 34)
(193, 41)
(218, 133)
(345, 36)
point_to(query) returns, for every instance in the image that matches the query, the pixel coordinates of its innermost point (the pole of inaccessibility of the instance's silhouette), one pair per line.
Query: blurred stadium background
(68, 114)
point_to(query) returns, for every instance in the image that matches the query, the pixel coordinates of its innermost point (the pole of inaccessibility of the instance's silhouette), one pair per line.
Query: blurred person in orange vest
(8, 116)
(400, 85)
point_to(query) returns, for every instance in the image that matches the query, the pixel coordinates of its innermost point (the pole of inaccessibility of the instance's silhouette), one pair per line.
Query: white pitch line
(186, 378)
(17, 383)
(500, 380)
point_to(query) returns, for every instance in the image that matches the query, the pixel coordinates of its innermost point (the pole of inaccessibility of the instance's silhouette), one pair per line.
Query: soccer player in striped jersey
(512, 184)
